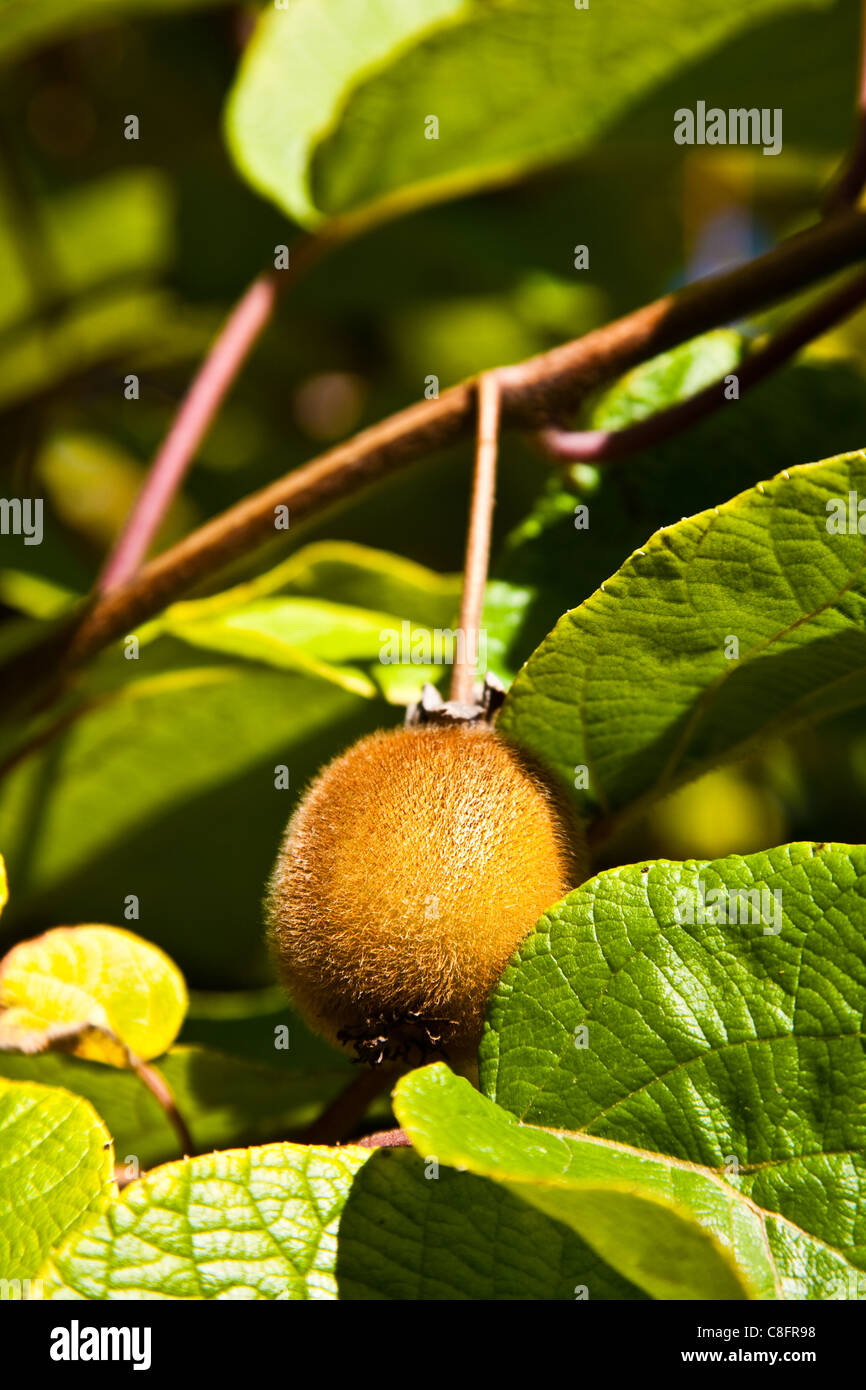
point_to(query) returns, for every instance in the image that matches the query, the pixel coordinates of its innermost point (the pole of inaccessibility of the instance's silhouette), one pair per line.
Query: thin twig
(344, 1114)
(610, 446)
(123, 1177)
(386, 1139)
(200, 405)
(846, 188)
(464, 672)
(161, 1092)
(544, 388)
(215, 377)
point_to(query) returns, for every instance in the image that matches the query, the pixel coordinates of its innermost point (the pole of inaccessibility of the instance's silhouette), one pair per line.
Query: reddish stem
(609, 446)
(162, 1094)
(386, 1139)
(464, 672)
(191, 424)
(233, 344)
(346, 1112)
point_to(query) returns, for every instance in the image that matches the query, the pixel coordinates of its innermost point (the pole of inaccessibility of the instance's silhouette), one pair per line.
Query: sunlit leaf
(241, 1224)
(101, 991)
(746, 620)
(368, 107)
(56, 1168)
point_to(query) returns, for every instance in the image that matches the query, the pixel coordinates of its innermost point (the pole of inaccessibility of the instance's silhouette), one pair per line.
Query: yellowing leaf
(99, 992)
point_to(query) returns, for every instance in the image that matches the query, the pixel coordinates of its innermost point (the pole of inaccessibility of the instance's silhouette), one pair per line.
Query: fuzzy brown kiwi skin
(411, 870)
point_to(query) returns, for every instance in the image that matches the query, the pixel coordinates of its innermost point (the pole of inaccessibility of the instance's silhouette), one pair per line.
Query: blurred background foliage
(117, 256)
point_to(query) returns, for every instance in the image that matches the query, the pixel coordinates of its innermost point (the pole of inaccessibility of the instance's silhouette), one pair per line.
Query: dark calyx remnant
(401, 1038)
(432, 709)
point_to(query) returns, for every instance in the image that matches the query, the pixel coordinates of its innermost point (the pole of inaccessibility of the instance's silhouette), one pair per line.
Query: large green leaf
(313, 637)
(675, 1229)
(413, 1229)
(224, 1100)
(56, 1168)
(733, 1044)
(25, 24)
(641, 685)
(330, 112)
(295, 76)
(241, 1224)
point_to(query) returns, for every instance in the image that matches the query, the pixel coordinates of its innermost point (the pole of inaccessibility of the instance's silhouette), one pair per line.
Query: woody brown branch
(543, 390)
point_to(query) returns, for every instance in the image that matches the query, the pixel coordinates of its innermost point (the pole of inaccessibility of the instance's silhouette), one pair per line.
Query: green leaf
(664, 380)
(101, 991)
(101, 328)
(343, 618)
(412, 1230)
(746, 619)
(504, 612)
(330, 113)
(94, 234)
(295, 76)
(91, 485)
(103, 246)
(310, 636)
(675, 1230)
(342, 573)
(56, 1168)
(241, 1224)
(224, 1100)
(27, 24)
(735, 1045)
(34, 596)
(809, 411)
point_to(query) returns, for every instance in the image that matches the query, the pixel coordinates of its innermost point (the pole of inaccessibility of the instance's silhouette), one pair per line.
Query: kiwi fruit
(413, 867)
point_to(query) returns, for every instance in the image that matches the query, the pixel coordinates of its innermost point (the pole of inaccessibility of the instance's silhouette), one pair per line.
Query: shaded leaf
(675, 1230)
(223, 1100)
(26, 24)
(185, 755)
(664, 380)
(34, 596)
(414, 1231)
(339, 630)
(310, 636)
(343, 573)
(295, 75)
